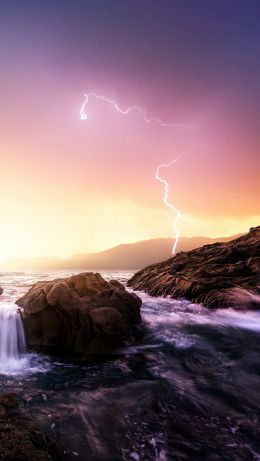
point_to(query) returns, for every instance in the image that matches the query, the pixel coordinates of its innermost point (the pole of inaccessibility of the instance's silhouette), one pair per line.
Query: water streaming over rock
(12, 339)
(187, 390)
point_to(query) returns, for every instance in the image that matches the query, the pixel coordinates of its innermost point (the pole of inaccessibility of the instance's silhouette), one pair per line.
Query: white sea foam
(167, 317)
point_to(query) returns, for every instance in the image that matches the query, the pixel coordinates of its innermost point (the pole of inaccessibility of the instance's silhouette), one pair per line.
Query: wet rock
(19, 439)
(217, 275)
(108, 321)
(8, 402)
(82, 315)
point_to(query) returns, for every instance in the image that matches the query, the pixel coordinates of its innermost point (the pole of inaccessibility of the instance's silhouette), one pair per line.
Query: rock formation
(1, 291)
(217, 275)
(81, 315)
(19, 439)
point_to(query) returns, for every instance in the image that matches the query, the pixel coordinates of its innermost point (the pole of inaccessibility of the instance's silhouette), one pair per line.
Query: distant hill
(129, 256)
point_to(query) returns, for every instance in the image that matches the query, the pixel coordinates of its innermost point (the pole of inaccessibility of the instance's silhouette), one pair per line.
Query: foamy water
(183, 312)
(165, 318)
(193, 375)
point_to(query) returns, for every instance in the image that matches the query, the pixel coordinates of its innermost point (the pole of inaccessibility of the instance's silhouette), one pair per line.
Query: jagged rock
(19, 439)
(82, 315)
(217, 275)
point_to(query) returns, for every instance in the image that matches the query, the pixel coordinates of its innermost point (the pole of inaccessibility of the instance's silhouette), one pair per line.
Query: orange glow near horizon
(70, 187)
(96, 191)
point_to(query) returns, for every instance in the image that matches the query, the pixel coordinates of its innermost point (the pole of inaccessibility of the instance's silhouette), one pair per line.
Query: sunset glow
(71, 187)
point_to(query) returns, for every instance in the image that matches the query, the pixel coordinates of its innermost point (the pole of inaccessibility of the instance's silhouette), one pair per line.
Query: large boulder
(81, 315)
(216, 275)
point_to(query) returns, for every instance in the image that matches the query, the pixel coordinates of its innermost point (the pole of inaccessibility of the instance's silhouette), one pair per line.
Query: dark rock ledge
(216, 275)
(81, 315)
(20, 440)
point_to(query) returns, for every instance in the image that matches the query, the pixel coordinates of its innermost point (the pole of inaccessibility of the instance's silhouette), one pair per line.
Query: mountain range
(128, 256)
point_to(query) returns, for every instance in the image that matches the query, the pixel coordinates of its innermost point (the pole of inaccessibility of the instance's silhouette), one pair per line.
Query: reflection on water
(188, 390)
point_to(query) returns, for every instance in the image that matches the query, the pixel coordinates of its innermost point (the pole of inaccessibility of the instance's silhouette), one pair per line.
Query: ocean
(188, 389)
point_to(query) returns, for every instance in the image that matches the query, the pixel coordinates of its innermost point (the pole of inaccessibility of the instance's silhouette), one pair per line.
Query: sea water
(188, 389)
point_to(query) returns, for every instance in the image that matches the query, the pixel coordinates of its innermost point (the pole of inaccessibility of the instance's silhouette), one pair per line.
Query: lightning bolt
(84, 116)
(166, 201)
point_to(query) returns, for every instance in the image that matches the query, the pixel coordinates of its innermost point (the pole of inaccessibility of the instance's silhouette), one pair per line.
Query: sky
(70, 186)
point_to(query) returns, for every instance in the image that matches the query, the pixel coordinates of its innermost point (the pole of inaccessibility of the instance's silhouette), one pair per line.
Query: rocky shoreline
(206, 406)
(217, 275)
(20, 440)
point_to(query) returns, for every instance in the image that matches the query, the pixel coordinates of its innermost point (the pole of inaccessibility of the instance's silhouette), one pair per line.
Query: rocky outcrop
(217, 275)
(1, 291)
(81, 315)
(19, 439)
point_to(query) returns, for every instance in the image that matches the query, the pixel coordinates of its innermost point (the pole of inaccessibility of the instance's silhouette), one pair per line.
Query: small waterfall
(12, 339)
